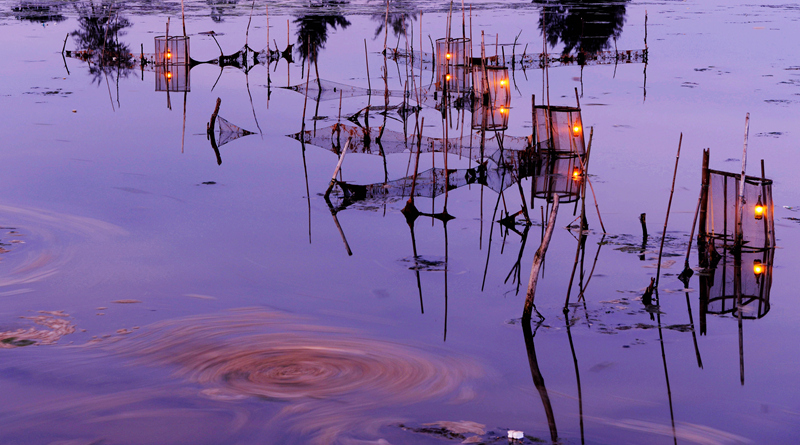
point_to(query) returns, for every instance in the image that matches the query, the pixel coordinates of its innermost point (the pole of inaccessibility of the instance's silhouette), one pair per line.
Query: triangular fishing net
(228, 131)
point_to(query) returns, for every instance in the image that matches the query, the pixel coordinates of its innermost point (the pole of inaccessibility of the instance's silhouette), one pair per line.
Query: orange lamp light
(447, 77)
(759, 209)
(169, 55)
(576, 129)
(169, 75)
(448, 55)
(758, 268)
(576, 173)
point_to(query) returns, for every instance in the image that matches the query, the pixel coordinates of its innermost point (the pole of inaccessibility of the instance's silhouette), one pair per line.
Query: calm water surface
(151, 294)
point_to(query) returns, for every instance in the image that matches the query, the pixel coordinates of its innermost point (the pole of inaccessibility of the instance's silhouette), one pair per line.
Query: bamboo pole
(740, 201)
(336, 171)
(669, 205)
(537, 262)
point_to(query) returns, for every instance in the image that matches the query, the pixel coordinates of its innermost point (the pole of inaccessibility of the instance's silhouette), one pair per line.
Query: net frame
(722, 206)
(492, 103)
(554, 128)
(172, 50)
(453, 73)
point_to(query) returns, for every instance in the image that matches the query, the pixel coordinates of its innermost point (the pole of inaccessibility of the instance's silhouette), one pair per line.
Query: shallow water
(206, 302)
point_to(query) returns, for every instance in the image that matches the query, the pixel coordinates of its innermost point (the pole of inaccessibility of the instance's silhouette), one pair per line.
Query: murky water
(160, 288)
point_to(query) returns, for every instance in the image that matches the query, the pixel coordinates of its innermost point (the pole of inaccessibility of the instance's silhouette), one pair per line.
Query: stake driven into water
(669, 205)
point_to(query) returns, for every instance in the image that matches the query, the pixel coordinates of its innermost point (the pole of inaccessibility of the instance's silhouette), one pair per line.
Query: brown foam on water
(51, 327)
(332, 377)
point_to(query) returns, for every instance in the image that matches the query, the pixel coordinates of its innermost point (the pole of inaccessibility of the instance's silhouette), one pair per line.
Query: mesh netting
(453, 58)
(722, 207)
(172, 50)
(753, 276)
(333, 138)
(322, 90)
(560, 127)
(229, 132)
(430, 184)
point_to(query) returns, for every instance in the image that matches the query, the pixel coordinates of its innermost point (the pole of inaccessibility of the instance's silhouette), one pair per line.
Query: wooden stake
(537, 262)
(669, 205)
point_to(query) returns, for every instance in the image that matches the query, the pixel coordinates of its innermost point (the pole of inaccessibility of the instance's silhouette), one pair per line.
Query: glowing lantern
(449, 56)
(169, 75)
(169, 55)
(447, 78)
(576, 130)
(576, 173)
(759, 209)
(758, 268)
(503, 110)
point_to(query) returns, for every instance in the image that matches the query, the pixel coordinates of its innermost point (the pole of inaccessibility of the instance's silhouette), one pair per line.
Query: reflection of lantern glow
(448, 55)
(576, 173)
(169, 75)
(447, 77)
(759, 209)
(576, 130)
(758, 268)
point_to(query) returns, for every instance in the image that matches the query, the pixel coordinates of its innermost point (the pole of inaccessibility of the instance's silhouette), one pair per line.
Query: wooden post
(537, 262)
(701, 225)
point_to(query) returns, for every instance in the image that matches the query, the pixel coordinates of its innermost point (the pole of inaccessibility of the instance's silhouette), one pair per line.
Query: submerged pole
(537, 262)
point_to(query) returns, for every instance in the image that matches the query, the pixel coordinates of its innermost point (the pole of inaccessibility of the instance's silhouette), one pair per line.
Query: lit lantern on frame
(172, 64)
(559, 129)
(172, 50)
(453, 58)
(492, 104)
(720, 210)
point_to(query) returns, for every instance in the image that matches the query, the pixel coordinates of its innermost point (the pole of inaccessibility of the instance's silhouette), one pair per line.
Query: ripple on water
(38, 242)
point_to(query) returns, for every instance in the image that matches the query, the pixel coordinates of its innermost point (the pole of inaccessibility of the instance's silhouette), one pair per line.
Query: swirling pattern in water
(237, 352)
(333, 377)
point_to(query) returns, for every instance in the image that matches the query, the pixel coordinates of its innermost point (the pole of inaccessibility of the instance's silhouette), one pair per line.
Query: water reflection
(38, 12)
(582, 27)
(312, 29)
(98, 40)
(399, 17)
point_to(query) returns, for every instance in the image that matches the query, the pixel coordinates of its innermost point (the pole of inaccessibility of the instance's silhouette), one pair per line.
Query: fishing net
(429, 184)
(364, 141)
(758, 231)
(560, 129)
(228, 132)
